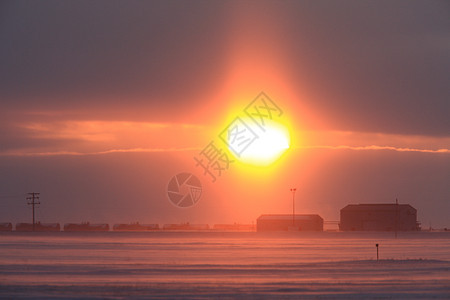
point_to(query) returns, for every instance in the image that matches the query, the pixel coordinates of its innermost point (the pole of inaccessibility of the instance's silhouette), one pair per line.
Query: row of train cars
(86, 226)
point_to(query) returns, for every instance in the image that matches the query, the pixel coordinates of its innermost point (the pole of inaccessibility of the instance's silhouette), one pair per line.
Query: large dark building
(379, 217)
(288, 223)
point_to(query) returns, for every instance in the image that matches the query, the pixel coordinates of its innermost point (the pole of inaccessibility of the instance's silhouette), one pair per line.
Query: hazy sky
(102, 102)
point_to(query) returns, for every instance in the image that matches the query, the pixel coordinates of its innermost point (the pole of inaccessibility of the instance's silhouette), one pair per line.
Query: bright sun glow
(268, 147)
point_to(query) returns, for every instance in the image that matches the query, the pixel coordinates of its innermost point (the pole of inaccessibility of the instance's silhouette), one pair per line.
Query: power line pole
(33, 200)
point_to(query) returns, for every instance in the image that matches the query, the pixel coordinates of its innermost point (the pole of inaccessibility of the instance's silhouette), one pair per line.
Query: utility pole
(293, 206)
(33, 200)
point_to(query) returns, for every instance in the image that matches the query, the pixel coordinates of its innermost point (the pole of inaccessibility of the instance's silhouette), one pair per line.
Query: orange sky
(101, 134)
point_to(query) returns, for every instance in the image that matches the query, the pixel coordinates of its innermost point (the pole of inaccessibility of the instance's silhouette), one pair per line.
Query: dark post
(396, 217)
(376, 245)
(34, 197)
(293, 206)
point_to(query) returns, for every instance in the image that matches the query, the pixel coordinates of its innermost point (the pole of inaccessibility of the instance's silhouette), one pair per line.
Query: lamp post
(293, 206)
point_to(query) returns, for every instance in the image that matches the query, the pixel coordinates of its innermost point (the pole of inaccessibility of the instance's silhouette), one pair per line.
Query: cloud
(94, 54)
(45, 138)
(69, 153)
(339, 140)
(99, 137)
(360, 65)
(372, 66)
(374, 147)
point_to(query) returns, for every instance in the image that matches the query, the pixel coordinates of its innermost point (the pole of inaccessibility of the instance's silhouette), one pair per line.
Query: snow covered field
(224, 265)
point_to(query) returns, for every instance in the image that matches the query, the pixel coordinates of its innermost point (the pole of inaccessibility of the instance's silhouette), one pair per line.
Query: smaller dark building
(379, 217)
(135, 227)
(186, 226)
(86, 227)
(234, 227)
(38, 226)
(5, 226)
(288, 223)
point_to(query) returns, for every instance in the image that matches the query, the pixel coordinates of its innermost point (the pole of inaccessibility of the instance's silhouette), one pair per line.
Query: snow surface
(224, 265)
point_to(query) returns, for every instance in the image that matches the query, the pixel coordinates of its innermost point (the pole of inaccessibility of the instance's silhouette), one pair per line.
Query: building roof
(376, 206)
(289, 217)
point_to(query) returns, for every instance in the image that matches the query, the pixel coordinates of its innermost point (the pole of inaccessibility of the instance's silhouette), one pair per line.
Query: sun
(271, 142)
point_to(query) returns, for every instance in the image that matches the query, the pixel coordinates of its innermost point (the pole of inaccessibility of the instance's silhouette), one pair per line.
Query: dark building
(234, 227)
(86, 227)
(379, 217)
(5, 226)
(185, 226)
(38, 227)
(288, 223)
(135, 227)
